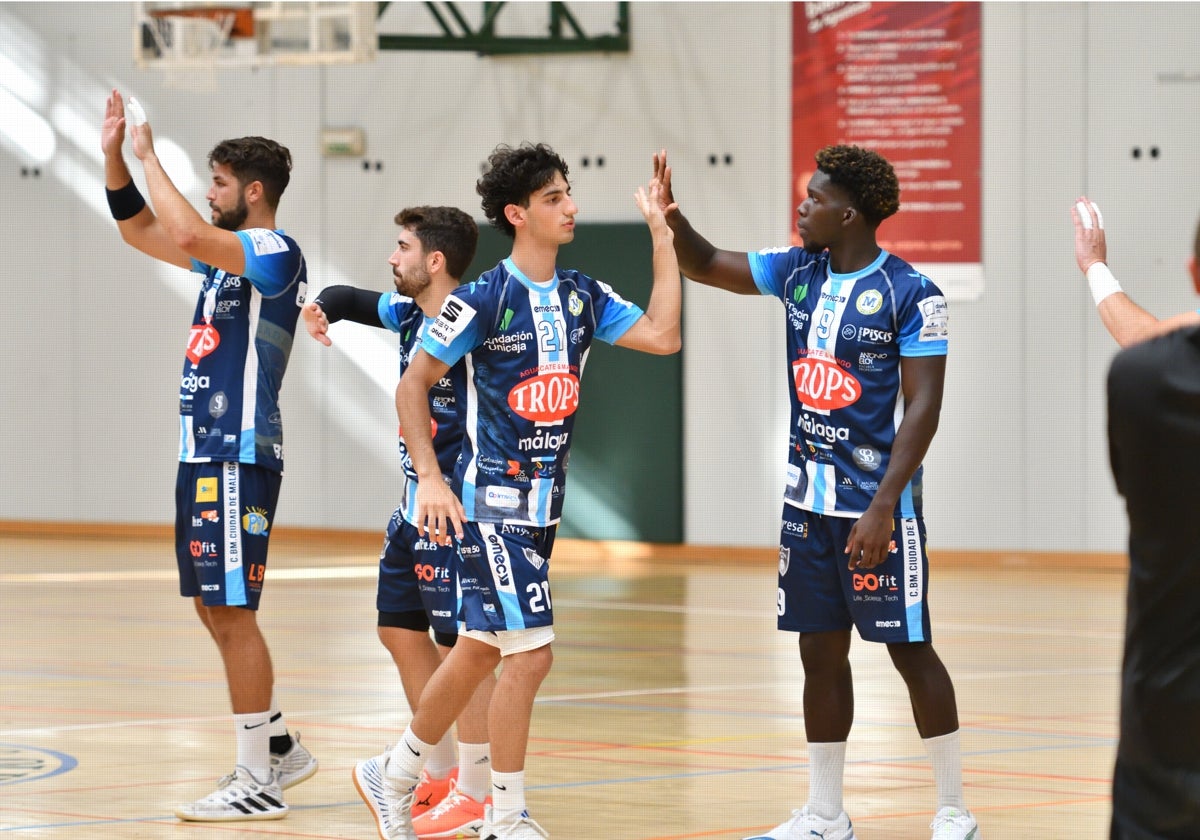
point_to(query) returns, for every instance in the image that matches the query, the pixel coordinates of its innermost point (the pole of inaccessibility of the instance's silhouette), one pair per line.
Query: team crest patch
(574, 304)
(255, 522)
(868, 302)
(785, 559)
(536, 560)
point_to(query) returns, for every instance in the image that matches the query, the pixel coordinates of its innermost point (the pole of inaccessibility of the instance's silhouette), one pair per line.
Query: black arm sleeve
(350, 304)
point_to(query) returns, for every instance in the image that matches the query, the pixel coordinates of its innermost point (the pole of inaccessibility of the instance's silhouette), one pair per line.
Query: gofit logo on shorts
(822, 384)
(871, 582)
(546, 398)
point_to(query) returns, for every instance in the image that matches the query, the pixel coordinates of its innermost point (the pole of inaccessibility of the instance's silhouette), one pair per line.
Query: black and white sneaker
(294, 766)
(239, 796)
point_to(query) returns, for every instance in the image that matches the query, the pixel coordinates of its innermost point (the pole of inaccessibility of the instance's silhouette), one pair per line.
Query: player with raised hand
(1125, 321)
(231, 435)
(525, 328)
(867, 346)
(418, 577)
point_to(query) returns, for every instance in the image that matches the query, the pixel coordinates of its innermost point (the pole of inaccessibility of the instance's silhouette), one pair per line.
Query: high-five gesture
(662, 174)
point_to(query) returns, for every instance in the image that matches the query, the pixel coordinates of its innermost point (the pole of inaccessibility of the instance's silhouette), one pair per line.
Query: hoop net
(189, 45)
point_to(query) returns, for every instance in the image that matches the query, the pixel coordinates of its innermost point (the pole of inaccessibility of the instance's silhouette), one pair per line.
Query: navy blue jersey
(237, 353)
(403, 316)
(846, 334)
(525, 345)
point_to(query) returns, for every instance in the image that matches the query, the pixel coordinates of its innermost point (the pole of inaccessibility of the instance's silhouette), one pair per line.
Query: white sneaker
(294, 766)
(806, 826)
(953, 824)
(239, 796)
(390, 805)
(522, 828)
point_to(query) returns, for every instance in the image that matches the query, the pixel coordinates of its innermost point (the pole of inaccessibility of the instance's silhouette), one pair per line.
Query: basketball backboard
(206, 36)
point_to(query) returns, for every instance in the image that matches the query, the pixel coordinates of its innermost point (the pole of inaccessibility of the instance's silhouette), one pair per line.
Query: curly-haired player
(867, 343)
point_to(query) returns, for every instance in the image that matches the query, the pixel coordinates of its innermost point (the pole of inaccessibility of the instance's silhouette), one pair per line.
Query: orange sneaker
(456, 816)
(431, 791)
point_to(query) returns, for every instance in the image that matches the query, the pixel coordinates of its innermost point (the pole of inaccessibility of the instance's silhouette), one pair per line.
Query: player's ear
(1194, 270)
(849, 215)
(253, 192)
(435, 261)
(515, 214)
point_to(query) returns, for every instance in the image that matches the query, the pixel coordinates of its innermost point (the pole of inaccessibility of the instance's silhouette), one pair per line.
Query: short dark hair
(865, 176)
(512, 176)
(445, 229)
(256, 159)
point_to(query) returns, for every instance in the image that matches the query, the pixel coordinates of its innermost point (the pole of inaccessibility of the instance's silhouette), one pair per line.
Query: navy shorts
(223, 517)
(416, 575)
(818, 593)
(504, 576)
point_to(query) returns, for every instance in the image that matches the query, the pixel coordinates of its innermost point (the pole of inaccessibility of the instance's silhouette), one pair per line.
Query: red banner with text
(902, 79)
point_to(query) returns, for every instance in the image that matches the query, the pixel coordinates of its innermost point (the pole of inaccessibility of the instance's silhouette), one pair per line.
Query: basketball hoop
(190, 41)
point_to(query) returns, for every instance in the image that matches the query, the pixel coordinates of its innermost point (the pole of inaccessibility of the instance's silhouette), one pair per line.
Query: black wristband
(126, 202)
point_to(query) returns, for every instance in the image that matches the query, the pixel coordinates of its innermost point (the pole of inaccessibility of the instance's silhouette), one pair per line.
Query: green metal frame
(563, 33)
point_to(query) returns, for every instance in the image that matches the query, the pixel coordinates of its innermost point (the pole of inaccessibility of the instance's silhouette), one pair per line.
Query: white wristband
(1102, 282)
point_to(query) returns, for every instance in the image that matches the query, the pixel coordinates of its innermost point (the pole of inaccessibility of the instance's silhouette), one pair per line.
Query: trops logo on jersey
(202, 340)
(821, 383)
(546, 398)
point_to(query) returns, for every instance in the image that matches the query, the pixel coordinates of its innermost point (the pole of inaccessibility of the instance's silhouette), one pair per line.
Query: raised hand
(143, 140)
(1090, 246)
(662, 174)
(654, 209)
(112, 132)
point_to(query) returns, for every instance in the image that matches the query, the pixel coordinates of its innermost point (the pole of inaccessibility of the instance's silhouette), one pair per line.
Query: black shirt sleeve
(350, 304)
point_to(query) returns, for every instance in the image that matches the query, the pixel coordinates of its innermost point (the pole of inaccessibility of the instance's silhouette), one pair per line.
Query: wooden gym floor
(672, 712)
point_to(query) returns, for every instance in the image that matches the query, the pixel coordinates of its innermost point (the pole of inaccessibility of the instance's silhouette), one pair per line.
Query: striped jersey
(403, 316)
(846, 334)
(525, 345)
(237, 352)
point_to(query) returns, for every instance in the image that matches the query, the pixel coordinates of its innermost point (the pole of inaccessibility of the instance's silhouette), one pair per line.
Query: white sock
(826, 761)
(945, 754)
(474, 769)
(508, 796)
(278, 725)
(441, 758)
(408, 757)
(254, 743)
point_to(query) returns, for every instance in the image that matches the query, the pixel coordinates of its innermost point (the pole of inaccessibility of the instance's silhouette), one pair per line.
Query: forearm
(908, 451)
(351, 304)
(116, 171)
(693, 252)
(666, 295)
(177, 216)
(1125, 321)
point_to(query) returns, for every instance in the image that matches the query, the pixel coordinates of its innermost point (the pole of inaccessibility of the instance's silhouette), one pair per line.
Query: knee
(912, 658)
(475, 656)
(533, 664)
(230, 623)
(824, 651)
